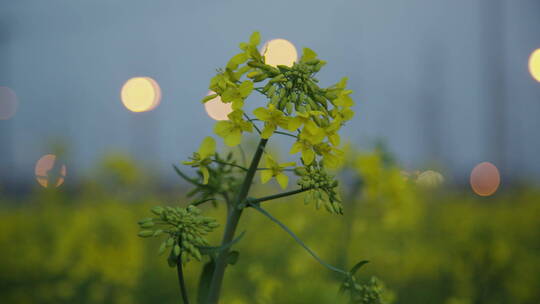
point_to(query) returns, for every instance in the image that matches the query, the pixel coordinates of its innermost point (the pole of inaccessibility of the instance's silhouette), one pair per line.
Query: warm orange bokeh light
(8, 103)
(141, 94)
(534, 65)
(217, 109)
(49, 173)
(485, 179)
(279, 52)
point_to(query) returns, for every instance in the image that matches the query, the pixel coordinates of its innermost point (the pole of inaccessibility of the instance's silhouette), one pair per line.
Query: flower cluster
(296, 103)
(202, 159)
(372, 292)
(322, 188)
(185, 227)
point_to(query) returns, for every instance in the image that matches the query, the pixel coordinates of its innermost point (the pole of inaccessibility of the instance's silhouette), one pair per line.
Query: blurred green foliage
(428, 246)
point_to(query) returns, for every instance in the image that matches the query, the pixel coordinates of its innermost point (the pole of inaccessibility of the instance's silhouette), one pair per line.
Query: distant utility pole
(493, 63)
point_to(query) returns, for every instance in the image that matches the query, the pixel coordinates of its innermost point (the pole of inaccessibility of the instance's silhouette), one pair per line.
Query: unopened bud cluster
(323, 188)
(185, 227)
(293, 88)
(370, 293)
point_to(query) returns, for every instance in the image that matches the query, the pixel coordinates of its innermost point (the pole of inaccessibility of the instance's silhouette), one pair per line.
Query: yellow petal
(262, 114)
(270, 162)
(334, 139)
(233, 138)
(308, 156)
(282, 180)
(289, 164)
(222, 128)
(294, 123)
(207, 148)
(266, 175)
(296, 147)
(268, 131)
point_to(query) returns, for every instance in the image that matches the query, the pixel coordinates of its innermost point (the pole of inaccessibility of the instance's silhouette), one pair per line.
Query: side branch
(298, 240)
(276, 196)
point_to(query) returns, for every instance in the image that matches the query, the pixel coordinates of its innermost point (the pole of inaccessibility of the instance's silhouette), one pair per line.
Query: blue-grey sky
(442, 81)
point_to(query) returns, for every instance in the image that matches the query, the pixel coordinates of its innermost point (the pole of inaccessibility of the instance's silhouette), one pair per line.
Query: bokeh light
(279, 52)
(49, 172)
(8, 103)
(534, 65)
(430, 179)
(141, 94)
(485, 179)
(217, 109)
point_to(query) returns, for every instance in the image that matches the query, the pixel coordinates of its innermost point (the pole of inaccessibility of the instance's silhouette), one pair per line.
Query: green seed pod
(147, 225)
(146, 233)
(300, 171)
(271, 91)
(260, 77)
(149, 219)
(157, 210)
(289, 85)
(176, 250)
(253, 74)
(289, 108)
(170, 242)
(278, 78)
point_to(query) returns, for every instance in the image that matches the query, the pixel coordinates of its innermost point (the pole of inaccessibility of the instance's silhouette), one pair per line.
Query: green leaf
(308, 55)
(255, 38)
(205, 281)
(357, 266)
(212, 249)
(186, 178)
(233, 257)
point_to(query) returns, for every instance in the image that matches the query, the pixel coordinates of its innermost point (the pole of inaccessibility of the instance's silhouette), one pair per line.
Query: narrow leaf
(358, 266)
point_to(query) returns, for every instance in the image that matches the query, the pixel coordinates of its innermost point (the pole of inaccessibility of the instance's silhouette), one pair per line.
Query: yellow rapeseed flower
(202, 158)
(231, 130)
(273, 169)
(272, 118)
(332, 157)
(301, 119)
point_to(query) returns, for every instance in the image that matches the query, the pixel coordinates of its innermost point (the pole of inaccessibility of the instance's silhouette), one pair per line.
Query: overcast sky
(438, 81)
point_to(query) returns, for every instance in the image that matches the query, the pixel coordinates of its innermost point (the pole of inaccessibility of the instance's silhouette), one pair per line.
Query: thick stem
(181, 281)
(233, 217)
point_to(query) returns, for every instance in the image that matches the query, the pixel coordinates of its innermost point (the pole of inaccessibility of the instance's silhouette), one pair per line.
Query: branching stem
(233, 217)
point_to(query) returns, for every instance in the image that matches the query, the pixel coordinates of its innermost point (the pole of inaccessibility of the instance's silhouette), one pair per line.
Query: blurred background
(99, 98)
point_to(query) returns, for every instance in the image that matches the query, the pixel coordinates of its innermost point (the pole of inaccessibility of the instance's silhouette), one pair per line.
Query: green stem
(285, 133)
(233, 217)
(183, 289)
(276, 196)
(229, 164)
(298, 240)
